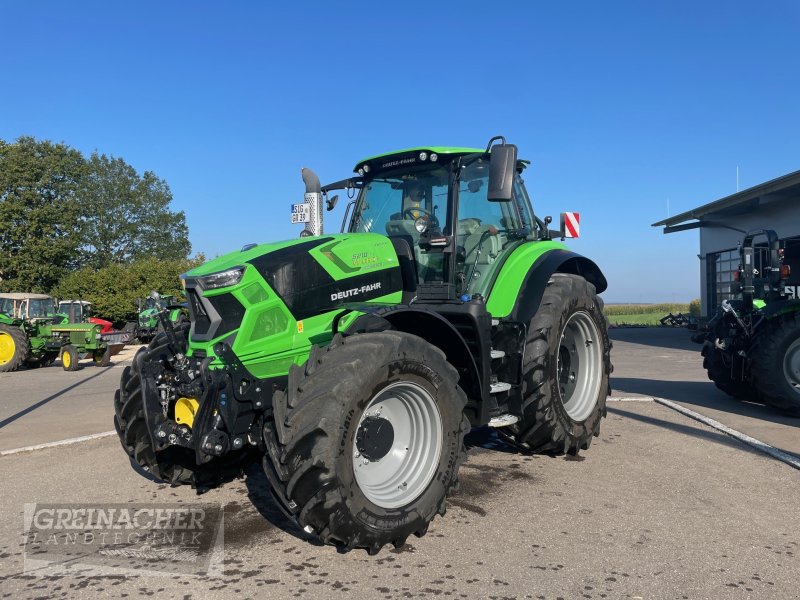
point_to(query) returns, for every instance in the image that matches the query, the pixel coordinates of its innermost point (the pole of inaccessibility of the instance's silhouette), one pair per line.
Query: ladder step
(495, 322)
(497, 353)
(503, 420)
(500, 386)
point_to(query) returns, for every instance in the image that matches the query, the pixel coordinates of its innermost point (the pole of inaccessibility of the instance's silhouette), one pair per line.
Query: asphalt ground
(661, 505)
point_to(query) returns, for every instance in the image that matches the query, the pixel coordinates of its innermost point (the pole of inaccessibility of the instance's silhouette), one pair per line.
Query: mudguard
(427, 324)
(780, 307)
(555, 261)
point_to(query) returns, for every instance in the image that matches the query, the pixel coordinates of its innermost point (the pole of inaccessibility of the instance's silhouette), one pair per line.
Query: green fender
(518, 290)
(780, 307)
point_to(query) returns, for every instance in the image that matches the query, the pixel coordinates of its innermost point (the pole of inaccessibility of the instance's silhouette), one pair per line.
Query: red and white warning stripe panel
(571, 224)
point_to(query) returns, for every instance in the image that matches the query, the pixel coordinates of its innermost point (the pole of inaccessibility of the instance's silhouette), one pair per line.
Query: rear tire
(565, 372)
(70, 360)
(14, 348)
(104, 359)
(341, 457)
(775, 366)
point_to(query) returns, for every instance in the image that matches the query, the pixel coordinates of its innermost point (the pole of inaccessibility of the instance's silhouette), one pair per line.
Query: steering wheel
(409, 213)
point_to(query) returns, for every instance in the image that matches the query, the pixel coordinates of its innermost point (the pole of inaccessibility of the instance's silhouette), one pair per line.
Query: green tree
(39, 213)
(126, 217)
(114, 289)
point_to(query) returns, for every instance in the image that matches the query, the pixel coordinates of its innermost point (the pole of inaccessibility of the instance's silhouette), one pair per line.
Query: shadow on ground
(674, 338)
(695, 431)
(701, 394)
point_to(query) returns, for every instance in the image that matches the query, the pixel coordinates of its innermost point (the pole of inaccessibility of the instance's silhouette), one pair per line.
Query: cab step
(497, 353)
(503, 420)
(499, 386)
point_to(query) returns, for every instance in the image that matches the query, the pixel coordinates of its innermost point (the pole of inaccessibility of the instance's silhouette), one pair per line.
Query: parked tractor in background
(32, 334)
(148, 322)
(752, 348)
(352, 365)
(81, 311)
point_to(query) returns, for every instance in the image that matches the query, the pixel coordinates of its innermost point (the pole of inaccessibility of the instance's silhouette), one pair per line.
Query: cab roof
(412, 156)
(24, 296)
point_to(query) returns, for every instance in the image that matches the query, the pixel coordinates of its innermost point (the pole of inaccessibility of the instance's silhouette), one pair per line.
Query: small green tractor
(148, 322)
(752, 347)
(352, 365)
(31, 333)
(82, 311)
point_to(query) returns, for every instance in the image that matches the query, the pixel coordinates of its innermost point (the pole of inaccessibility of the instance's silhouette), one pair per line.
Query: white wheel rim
(580, 366)
(401, 470)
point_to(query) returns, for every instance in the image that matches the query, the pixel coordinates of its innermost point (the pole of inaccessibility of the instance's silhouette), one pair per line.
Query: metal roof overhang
(781, 188)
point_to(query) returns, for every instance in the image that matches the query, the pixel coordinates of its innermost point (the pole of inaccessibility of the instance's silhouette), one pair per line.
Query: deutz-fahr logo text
(355, 291)
(397, 163)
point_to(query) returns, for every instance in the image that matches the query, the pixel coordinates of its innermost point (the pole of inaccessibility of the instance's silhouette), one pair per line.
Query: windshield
(149, 303)
(484, 231)
(389, 204)
(40, 308)
(73, 310)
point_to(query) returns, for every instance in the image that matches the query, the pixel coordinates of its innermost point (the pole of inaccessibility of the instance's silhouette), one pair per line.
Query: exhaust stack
(313, 197)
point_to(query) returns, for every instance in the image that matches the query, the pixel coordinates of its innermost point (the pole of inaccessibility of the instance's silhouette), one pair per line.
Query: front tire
(366, 443)
(566, 370)
(14, 348)
(173, 465)
(70, 360)
(775, 366)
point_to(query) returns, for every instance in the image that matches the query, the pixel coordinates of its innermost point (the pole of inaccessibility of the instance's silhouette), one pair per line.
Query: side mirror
(331, 202)
(502, 166)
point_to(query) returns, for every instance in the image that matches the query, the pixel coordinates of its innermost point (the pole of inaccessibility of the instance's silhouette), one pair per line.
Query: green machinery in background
(148, 323)
(31, 333)
(752, 348)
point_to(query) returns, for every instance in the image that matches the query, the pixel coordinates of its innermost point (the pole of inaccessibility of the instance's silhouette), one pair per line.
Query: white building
(723, 223)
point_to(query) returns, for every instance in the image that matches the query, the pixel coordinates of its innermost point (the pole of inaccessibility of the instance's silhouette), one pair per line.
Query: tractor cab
(453, 214)
(27, 307)
(75, 311)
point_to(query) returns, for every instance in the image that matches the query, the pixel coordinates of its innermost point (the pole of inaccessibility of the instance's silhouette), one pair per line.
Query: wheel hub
(397, 444)
(374, 438)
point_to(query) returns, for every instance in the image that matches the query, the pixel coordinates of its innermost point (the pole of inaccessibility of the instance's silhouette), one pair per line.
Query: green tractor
(31, 333)
(148, 323)
(352, 365)
(751, 350)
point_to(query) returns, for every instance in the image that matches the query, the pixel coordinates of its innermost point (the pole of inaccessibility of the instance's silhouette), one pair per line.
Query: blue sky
(624, 108)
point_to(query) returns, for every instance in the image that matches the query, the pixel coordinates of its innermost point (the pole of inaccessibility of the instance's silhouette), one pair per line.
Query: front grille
(198, 315)
(230, 311)
(212, 317)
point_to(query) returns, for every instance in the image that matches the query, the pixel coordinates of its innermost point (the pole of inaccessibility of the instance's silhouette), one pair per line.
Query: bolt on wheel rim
(580, 365)
(397, 445)
(791, 365)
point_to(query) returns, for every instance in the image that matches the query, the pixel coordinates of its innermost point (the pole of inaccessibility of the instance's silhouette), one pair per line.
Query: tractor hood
(274, 288)
(339, 255)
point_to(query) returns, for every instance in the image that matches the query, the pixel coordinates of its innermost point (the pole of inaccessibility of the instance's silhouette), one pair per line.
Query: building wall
(781, 216)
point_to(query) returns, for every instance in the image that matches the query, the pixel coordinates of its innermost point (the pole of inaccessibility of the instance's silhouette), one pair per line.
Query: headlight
(221, 279)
